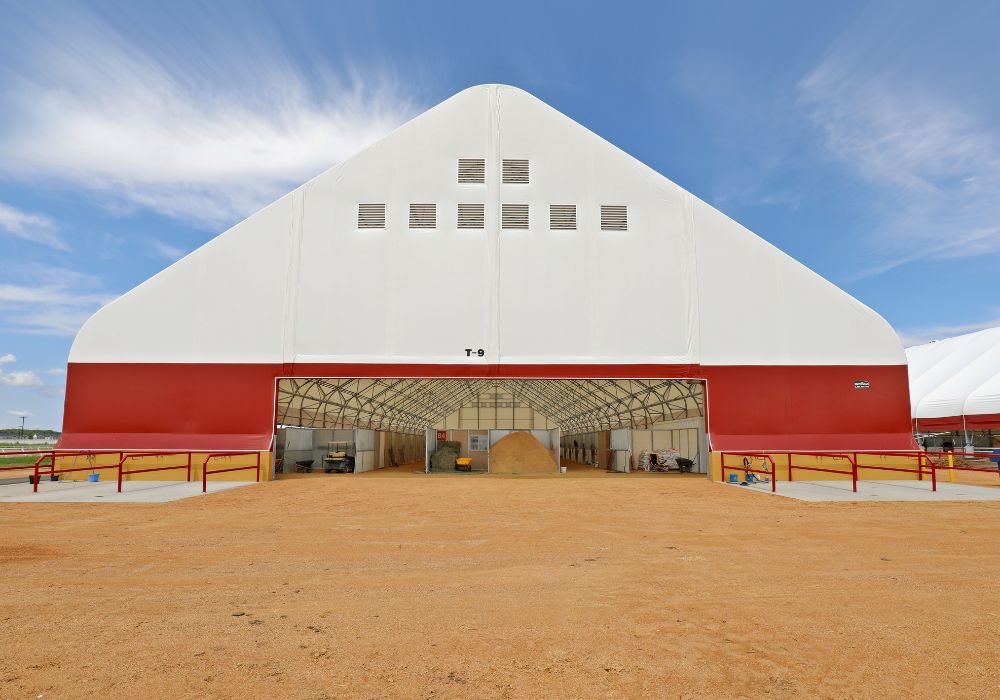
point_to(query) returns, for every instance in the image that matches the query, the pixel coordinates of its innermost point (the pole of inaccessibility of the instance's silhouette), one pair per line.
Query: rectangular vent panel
(614, 218)
(371, 216)
(562, 217)
(515, 172)
(472, 216)
(514, 216)
(423, 216)
(471, 170)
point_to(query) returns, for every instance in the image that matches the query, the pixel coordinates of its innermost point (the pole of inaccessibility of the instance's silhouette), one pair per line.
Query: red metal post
(854, 473)
(774, 475)
(789, 466)
(36, 474)
(204, 474)
(933, 475)
(189, 467)
(121, 462)
(258, 467)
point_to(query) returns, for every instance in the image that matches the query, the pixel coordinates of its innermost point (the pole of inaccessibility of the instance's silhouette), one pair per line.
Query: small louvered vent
(423, 216)
(472, 216)
(371, 216)
(515, 172)
(562, 217)
(471, 170)
(614, 218)
(514, 216)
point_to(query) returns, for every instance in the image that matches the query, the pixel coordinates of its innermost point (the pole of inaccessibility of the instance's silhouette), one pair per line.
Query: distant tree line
(16, 432)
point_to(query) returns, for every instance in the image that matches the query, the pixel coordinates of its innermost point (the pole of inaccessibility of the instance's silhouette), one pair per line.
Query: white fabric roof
(298, 282)
(957, 376)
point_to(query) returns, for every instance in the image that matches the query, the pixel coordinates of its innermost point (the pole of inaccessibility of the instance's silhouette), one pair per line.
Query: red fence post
(204, 474)
(933, 475)
(189, 467)
(121, 463)
(258, 467)
(854, 473)
(36, 473)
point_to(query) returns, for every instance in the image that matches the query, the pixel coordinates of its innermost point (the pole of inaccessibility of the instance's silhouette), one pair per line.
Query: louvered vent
(614, 218)
(472, 216)
(515, 172)
(514, 216)
(371, 216)
(562, 217)
(471, 170)
(423, 216)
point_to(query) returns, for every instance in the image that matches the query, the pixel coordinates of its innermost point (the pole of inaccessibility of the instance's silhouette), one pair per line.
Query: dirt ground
(585, 585)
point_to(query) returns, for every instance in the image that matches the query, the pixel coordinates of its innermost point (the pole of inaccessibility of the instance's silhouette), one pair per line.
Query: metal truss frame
(413, 405)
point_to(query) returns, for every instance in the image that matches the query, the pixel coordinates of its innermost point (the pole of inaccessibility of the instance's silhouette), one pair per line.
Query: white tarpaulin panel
(672, 281)
(957, 376)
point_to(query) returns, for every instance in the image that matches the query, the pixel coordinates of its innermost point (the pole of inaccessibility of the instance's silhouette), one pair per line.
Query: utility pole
(22, 428)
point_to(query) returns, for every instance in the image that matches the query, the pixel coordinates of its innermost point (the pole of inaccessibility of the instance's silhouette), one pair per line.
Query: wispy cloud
(22, 378)
(918, 336)
(933, 153)
(58, 306)
(166, 251)
(7, 359)
(205, 142)
(20, 413)
(30, 227)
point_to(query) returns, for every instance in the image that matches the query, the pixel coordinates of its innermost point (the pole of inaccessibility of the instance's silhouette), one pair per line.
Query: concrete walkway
(836, 490)
(107, 491)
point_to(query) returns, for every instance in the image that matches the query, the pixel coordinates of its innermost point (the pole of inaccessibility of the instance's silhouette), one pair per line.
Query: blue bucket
(733, 479)
(93, 478)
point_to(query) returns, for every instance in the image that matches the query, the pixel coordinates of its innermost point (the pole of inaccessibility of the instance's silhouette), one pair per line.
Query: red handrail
(852, 460)
(919, 470)
(52, 466)
(743, 468)
(205, 472)
(127, 457)
(41, 469)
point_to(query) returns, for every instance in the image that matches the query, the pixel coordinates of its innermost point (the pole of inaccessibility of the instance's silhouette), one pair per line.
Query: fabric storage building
(955, 384)
(490, 239)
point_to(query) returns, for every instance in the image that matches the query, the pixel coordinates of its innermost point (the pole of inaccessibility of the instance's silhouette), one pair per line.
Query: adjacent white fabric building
(955, 383)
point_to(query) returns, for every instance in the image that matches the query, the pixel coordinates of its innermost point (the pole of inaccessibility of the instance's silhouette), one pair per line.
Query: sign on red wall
(442, 435)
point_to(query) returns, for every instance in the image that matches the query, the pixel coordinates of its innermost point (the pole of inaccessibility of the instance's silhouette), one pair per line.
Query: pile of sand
(521, 453)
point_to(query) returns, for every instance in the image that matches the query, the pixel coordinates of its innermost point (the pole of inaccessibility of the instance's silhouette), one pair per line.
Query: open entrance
(499, 426)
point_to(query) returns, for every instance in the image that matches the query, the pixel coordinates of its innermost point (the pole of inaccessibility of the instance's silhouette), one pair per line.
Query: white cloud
(30, 227)
(208, 144)
(21, 413)
(919, 336)
(929, 146)
(167, 251)
(56, 371)
(24, 378)
(8, 358)
(56, 307)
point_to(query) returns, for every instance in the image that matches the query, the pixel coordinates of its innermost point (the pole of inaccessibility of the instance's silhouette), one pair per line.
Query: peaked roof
(956, 377)
(301, 281)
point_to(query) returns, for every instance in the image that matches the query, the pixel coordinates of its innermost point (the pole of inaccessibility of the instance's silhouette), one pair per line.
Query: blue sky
(861, 138)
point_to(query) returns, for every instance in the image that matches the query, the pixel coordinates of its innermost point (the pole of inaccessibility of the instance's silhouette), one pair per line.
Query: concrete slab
(836, 490)
(107, 491)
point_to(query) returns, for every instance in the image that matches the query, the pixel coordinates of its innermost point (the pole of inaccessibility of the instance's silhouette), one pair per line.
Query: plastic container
(733, 479)
(93, 478)
(562, 470)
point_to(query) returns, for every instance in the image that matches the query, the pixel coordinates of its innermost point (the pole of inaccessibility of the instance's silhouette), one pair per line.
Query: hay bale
(445, 455)
(521, 453)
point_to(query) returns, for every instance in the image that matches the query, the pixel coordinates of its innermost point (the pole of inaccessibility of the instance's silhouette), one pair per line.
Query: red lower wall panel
(987, 421)
(231, 406)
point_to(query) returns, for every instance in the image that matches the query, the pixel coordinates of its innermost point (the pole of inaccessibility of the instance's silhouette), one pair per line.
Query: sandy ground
(584, 585)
